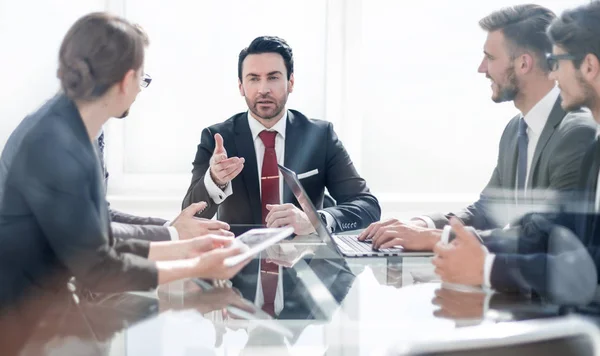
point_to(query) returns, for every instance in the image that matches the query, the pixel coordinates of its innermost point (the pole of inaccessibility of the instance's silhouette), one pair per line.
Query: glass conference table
(331, 305)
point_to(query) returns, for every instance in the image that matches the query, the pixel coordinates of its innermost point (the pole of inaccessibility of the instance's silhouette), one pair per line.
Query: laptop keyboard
(351, 242)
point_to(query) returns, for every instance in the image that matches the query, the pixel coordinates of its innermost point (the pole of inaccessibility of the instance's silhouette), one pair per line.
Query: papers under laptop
(346, 244)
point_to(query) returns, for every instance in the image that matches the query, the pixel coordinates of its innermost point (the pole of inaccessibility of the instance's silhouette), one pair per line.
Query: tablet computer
(257, 240)
(239, 229)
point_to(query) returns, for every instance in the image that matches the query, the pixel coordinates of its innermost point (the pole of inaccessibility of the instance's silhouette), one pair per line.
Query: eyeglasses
(146, 80)
(553, 59)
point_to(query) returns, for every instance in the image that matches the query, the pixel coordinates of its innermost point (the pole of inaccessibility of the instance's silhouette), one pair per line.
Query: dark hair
(97, 52)
(268, 44)
(524, 27)
(577, 31)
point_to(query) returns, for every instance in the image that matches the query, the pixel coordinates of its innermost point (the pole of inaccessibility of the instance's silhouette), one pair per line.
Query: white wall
(397, 78)
(30, 35)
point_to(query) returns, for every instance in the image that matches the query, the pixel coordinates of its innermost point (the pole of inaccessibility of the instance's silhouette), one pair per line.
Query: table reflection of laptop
(346, 244)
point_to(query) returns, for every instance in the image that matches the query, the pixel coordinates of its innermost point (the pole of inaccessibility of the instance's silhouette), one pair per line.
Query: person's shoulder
(301, 119)
(511, 128)
(581, 118)
(227, 125)
(513, 123)
(51, 138)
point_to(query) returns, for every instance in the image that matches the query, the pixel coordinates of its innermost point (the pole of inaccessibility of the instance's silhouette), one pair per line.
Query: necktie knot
(522, 127)
(268, 138)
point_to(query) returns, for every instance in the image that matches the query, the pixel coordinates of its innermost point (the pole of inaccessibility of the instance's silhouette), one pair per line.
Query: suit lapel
(293, 142)
(590, 188)
(245, 148)
(556, 116)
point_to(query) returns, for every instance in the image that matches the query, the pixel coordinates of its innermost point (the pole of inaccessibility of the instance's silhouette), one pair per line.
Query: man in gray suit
(541, 148)
(185, 226)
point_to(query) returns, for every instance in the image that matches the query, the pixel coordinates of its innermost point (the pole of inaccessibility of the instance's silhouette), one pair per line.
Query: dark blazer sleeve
(574, 140)
(550, 261)
(125, 218)
(126, 226)
(142, 232)
(63, 203)
(197, 190)
(356, 206)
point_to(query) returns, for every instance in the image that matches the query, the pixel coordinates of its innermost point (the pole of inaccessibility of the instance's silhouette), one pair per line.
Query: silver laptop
(346, 244)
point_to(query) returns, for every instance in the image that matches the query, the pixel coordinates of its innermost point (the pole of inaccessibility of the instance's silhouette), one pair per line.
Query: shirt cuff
(427, 219)
(173, 233)
(216, 194)
(330, 221)
(487, 269)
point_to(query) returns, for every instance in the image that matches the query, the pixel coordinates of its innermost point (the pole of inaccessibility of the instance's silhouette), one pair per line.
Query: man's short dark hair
(524, 28)
(268, 44)
(577, 31)
(97, 52)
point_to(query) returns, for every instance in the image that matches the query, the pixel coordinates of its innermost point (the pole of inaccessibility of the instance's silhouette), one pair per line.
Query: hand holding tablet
(255, 241)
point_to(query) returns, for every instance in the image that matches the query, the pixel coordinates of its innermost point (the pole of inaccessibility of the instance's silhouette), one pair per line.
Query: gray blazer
(554, 171)
(126, 226)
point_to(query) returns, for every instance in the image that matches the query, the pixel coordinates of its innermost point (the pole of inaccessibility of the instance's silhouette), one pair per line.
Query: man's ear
(526, 63)
(291, 83)
(128, 78)
(241, 88)
(590, 67)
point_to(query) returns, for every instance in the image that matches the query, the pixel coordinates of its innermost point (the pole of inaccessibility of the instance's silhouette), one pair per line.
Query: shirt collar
(537, 117)
(256, 127)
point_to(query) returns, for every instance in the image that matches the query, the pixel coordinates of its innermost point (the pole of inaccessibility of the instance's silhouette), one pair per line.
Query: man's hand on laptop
(392, 232)
(289, 215)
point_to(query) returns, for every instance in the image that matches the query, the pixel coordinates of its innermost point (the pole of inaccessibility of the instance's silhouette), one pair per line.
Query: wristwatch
(222, 186)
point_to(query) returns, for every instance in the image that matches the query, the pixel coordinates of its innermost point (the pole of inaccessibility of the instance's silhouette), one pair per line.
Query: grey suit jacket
(554, 171)
(127, 226)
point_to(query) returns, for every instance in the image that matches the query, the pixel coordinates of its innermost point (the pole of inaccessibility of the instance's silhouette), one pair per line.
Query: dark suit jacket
(557, 253)
(126, 226)
(53, 216)
(309, 145)
(554, 169)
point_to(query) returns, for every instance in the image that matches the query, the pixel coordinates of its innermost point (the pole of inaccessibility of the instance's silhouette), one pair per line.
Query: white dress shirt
(259, 147)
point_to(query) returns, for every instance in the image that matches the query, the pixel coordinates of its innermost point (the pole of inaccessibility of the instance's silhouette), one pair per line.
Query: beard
(266, 114)
(588, 98)
(123, 115)
(509, 91)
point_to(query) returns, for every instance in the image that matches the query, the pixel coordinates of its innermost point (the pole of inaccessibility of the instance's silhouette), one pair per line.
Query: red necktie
(269, 179)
